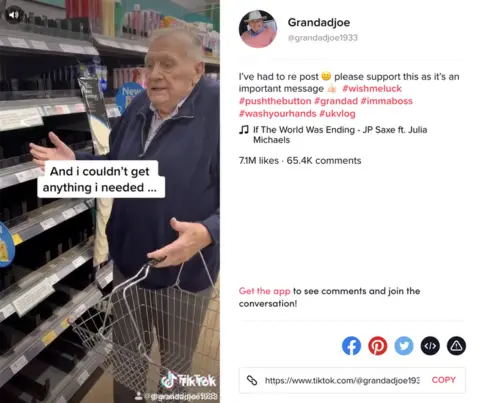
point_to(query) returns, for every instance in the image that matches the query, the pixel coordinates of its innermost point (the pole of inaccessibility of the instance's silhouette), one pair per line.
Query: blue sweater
(187, 150)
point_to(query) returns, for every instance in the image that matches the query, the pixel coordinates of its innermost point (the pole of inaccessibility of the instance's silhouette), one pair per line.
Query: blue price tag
(126, 93)
(7, 246)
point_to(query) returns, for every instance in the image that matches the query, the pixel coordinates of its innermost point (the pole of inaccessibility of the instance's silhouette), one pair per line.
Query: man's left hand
(192, 238)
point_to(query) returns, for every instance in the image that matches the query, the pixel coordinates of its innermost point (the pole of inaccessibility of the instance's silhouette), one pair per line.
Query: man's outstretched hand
(192, 237)
(59, 152)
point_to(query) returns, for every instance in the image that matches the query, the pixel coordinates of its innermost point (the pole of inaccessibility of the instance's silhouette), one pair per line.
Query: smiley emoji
(326, 75)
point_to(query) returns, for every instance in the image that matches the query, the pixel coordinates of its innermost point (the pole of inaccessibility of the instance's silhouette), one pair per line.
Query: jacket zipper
(159, 133)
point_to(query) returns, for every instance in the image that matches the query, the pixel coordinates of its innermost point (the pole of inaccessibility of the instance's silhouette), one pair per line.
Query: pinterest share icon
(377, 345)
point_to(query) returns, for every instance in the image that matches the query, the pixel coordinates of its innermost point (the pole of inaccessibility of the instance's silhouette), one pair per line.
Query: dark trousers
(174, 317)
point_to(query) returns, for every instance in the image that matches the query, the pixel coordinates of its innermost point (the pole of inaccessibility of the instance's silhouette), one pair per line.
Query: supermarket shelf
(65, 389)
(18, 40)
(27, 293)
(105, 275)
(134, 47)
(46, 106)
(20, 114)
(34, 223)
(212, 60)
(120, 45)
(25, 351)
(27, 171)
(30, 42)
(17, 174)
(113, 111)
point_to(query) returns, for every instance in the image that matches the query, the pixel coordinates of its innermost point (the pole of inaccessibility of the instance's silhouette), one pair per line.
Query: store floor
(101, 391)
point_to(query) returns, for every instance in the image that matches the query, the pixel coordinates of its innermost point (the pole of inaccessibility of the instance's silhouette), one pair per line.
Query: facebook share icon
(351, 346)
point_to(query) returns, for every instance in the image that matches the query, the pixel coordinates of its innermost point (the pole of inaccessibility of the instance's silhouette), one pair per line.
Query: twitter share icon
(351, 346)
(404, 345)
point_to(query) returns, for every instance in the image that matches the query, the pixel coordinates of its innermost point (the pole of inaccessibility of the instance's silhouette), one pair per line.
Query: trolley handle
(135, 280)
(130, 282)
(138, 278)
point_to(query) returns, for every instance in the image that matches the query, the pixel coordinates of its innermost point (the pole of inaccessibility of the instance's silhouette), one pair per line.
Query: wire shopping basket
(156, 341)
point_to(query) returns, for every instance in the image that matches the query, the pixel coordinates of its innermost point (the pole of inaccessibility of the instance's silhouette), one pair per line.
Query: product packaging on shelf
(118, 17)
(100, 129)
(142, 23)
(108, 17)
(128, 75)
(91, 9)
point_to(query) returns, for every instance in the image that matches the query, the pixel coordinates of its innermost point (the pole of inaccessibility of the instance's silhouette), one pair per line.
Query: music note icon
(244, 129)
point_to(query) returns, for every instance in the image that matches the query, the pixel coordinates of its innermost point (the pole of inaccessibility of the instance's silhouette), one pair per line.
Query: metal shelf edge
(19, 114)
(24, 172)
(105, 275)
(75, 379)
(28, 349)
(51, 273)
(24, 41)
(44, 220)
(136, 47)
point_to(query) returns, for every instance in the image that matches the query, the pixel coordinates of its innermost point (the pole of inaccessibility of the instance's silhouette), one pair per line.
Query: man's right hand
(60, 152)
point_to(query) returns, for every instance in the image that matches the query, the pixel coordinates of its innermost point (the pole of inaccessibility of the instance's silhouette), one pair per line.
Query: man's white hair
(194, 44)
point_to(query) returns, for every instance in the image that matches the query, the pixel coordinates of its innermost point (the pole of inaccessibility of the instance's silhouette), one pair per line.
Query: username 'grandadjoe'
(318, 22)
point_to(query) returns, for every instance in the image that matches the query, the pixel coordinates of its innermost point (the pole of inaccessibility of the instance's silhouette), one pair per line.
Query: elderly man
(259, 35)
(176, 122)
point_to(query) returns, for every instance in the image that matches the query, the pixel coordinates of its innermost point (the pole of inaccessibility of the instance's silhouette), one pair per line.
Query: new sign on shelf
(126, 93)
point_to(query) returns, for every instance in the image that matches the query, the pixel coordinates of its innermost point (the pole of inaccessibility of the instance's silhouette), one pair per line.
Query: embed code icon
(430, 345)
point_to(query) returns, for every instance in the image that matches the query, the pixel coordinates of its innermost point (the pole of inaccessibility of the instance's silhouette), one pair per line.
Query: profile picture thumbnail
(258, 29)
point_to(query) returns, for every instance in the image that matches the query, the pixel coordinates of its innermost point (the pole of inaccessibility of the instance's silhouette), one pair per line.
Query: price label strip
(40, 45)
(78, 312)
(80, 107)
(103, 42)
(53, 279)
(18, 43)
(72, 49)
(17, 239)
(114, 44)
(108, 278)
(33, 296)
(19, 118)
(80, 208)
(67, 214)
(49, 337)
(65, 323)
(79, 261)
(48, 223)
(140, 48)
(18, 364)
(6, 311)
(83, 377)
(25, 176)
(37, 172)
(91, 50)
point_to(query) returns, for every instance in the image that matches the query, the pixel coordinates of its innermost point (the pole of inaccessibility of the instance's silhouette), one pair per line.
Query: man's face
(255, 25)
(170, 72)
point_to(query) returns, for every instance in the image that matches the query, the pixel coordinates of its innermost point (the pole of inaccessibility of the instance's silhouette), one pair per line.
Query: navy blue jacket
(187, 150)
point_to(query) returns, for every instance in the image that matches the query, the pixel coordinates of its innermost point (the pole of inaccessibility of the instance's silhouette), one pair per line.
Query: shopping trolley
(156, 341)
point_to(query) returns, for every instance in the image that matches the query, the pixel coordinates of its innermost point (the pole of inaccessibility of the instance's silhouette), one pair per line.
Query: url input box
(352, 380)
